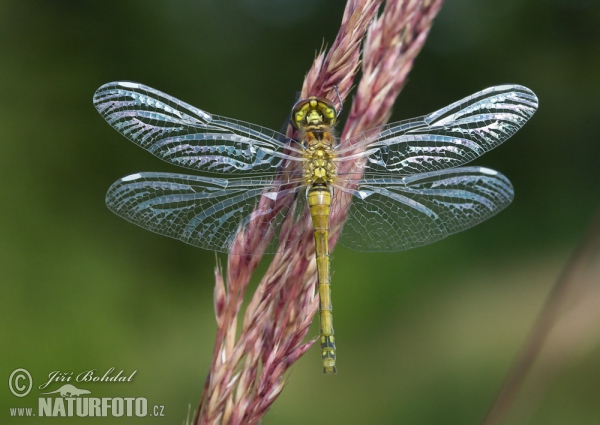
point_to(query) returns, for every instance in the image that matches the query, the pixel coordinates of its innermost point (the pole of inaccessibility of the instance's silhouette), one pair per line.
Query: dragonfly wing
(206, 212)
(186, 136)
(447, 138)
(394, 214)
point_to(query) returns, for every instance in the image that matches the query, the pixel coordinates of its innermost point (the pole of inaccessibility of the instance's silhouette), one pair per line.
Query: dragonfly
(398, 186)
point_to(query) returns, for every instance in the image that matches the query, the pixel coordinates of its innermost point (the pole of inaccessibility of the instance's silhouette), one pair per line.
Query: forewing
(394, 214)
(186, 136)
(447, 138)
(207, 212)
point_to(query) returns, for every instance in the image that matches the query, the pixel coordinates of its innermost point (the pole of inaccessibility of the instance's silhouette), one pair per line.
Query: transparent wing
(186, 136)
(394, 214)
(208, 212)
(447, 138)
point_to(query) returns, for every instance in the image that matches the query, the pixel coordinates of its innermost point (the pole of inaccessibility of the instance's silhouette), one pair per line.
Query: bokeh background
(424, 336)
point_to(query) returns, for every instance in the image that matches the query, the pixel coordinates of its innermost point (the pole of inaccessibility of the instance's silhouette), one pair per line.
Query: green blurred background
(424, 336)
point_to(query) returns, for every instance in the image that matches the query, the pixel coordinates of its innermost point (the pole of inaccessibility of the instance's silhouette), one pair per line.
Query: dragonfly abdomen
(319, 202)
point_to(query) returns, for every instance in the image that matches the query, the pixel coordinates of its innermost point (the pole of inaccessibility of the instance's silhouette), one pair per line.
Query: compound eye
(331, 115)
(313, 110)
(328, 111)
(299, 112)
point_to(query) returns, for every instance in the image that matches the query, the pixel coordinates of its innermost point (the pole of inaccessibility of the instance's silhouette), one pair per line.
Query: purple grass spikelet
(248, 369)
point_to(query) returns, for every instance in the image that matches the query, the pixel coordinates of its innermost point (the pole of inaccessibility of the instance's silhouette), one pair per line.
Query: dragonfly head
(314, 111)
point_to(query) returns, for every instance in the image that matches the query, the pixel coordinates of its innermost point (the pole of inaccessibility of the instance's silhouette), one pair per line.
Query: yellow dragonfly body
(400, 186)
(314, 118)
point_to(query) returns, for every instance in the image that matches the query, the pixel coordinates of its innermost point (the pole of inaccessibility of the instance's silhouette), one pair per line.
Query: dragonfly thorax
(315, 118)
(319, 157)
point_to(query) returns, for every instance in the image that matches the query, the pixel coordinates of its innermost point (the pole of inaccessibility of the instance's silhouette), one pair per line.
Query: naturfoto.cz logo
(70, 400)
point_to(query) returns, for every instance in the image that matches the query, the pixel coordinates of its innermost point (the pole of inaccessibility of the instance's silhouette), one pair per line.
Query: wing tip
(488, 171)
(115, 84)
(128, 84)
(523, 93)
(131, 177)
